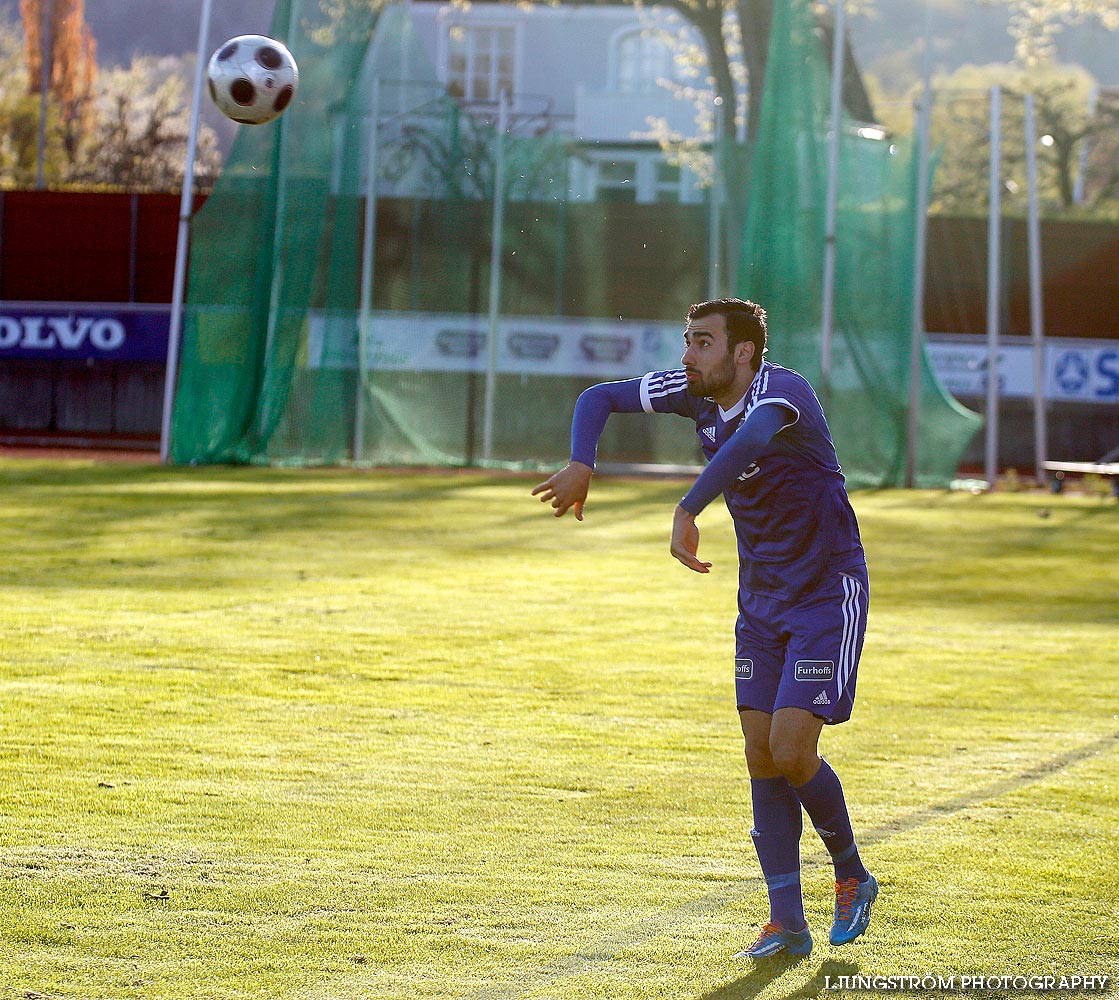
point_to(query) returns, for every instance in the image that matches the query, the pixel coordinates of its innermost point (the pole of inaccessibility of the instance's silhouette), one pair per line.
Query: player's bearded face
(715, 379)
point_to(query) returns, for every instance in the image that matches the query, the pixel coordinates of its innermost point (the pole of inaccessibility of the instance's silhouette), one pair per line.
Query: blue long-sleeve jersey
(771, 456)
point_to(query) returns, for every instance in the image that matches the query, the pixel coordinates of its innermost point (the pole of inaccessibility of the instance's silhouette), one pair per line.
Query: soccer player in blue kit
(802, 594)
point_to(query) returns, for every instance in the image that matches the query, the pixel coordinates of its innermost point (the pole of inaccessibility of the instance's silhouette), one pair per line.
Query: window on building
(641, 59)
(616, 180)
(666, 181)
(481, 63)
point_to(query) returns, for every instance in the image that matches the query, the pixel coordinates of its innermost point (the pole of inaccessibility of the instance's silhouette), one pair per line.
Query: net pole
(920, 251)
(991, 462)
(1085, 148)
(368, 252)
(186, 203)
(496, 252)
(715, 208)
(1037, 316)
(827, 320)
(279, 161)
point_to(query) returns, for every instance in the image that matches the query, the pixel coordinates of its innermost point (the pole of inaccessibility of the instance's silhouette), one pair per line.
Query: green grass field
(323, 734)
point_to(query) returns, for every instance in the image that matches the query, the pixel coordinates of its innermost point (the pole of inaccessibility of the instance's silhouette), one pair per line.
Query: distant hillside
(124, 28)
(889, 44)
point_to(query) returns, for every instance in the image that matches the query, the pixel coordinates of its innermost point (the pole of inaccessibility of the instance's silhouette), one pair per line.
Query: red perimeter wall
(92, 247)
(58, 246)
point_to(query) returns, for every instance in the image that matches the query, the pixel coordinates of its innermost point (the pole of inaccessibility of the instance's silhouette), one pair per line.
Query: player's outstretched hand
(567, 489)
(685, 541)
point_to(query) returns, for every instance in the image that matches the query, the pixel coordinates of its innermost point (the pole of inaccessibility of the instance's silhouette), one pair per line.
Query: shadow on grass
(996, 790)
(156, 527)
(764, 974)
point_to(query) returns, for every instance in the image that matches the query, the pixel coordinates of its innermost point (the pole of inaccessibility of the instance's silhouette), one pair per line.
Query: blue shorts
(805, 653)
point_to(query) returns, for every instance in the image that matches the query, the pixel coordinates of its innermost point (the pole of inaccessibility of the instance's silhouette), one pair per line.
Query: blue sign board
(83, 331)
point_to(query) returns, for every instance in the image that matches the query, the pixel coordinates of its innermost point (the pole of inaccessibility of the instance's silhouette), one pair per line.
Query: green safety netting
(867, 389)
(355, 259)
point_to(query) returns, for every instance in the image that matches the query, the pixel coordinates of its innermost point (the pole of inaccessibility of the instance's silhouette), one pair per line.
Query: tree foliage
(1034, 24)
(141, 129)
(56, 33)
(1076, 141)
(19, 117)
(117, 127)
(1078, 160)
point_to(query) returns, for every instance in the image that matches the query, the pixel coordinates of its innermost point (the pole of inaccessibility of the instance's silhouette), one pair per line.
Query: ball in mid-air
(252, 79)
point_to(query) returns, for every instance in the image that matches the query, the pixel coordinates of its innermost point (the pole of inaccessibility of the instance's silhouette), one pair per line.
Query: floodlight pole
(496, 253)
(368, 251)
(186, 204)
(920, 251)
(827, 319)
(994, 223)
(1037, 316)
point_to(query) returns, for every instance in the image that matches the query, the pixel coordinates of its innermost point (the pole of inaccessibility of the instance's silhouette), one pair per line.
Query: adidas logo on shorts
(822, 699)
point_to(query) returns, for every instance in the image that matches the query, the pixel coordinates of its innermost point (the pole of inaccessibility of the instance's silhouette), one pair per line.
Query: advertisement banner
(83, 331)
(1083, 371)
(1075, 371)
(527, 345)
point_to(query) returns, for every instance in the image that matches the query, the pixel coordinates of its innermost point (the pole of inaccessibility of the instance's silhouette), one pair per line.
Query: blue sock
(822, 797)
(776, 833)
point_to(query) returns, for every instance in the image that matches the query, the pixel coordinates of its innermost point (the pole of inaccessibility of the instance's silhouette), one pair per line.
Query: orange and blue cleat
(774, 939)
(853, 900)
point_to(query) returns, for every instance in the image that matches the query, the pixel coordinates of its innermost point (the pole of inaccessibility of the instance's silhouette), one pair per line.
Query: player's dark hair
(745, 322)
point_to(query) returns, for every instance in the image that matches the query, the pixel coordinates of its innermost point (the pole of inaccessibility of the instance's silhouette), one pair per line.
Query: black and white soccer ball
(252, 79)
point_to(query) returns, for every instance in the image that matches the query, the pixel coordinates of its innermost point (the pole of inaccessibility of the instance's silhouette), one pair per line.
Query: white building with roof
(611, 79)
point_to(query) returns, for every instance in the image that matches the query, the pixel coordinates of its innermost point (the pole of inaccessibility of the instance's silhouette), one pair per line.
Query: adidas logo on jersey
(822, 699)
(709, 433)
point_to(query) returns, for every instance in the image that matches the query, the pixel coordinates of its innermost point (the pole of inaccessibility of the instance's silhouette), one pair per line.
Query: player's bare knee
(757, 754)
(755, 735)
(794, 761)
